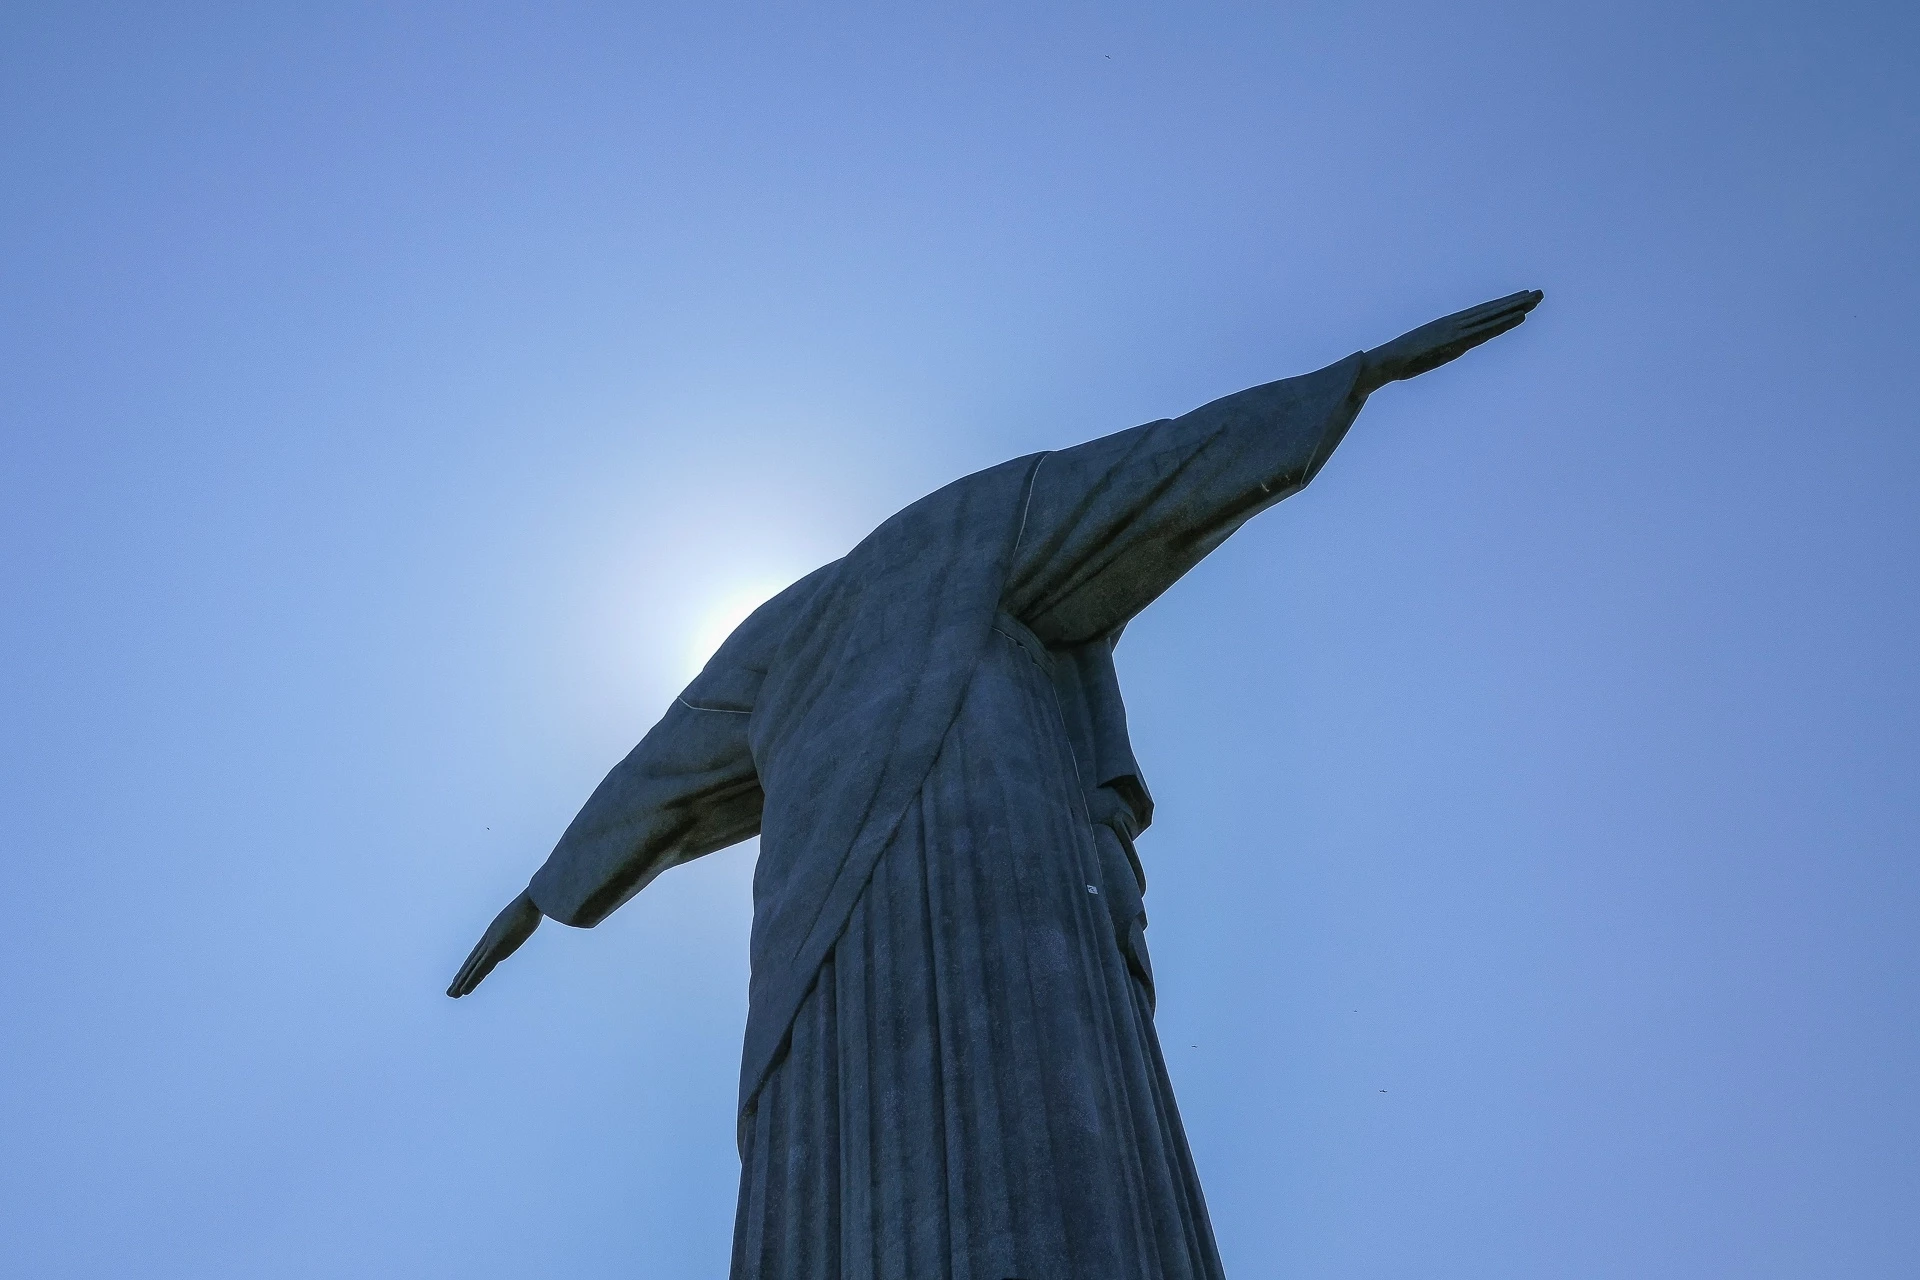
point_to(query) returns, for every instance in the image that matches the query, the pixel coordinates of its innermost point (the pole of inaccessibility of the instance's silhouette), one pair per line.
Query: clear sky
(394, 399)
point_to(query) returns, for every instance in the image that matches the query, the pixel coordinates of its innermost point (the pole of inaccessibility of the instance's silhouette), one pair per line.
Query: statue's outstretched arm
(1114, 522)
(503, 937)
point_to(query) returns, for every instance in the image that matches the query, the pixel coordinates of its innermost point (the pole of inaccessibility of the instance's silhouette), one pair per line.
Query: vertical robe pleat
(973, 1089)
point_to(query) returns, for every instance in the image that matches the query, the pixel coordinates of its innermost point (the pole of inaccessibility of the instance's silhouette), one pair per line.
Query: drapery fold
(972, 1088)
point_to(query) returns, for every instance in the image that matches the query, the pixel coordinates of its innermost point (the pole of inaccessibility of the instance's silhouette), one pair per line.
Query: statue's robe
(950, 1066)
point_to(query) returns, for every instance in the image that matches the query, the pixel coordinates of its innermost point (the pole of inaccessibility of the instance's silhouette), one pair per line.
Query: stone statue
(950, 1066)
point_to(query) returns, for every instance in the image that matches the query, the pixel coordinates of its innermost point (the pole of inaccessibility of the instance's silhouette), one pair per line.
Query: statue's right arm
(1112, 523)
(509, 929)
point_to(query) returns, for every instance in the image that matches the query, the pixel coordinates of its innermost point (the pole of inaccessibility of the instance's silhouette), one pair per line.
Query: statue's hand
(1432, 345)
(503, 937)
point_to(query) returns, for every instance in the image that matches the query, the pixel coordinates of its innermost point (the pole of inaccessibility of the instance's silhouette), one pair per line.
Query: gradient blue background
(393, 396)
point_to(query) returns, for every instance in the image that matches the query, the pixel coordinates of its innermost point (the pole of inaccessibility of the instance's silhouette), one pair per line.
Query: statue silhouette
(950, 1066)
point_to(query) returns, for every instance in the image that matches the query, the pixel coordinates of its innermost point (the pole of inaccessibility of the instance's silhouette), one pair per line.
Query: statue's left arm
(688, 788)
(1112, 524)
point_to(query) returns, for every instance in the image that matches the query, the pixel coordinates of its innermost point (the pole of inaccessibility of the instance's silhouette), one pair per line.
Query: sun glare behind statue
(717, 621)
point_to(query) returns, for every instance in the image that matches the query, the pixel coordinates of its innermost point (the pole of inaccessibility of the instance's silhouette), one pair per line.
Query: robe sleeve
(1111, 524)
(688, 789)
(692, 785)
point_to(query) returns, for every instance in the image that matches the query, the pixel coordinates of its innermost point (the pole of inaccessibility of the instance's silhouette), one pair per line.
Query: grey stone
(950, 1066)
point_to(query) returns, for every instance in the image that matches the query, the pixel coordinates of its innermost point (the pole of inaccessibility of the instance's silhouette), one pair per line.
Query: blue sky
(397, 397)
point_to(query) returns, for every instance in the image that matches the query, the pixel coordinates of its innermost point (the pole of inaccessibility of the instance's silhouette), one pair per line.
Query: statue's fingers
(476, 976)
(1521, 309)
(1461, 326)
(1511, 311)
(1495, 312)
(1494, 327)
(1465, 319)
(1486, 308)
(1527, 299)
(1515, 314)
(471, 972)
(1513, 304)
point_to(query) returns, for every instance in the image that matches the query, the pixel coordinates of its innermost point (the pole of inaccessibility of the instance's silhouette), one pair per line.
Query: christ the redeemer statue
(950, 1066)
